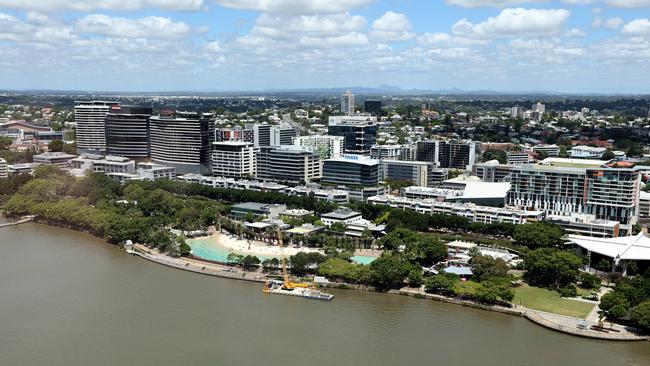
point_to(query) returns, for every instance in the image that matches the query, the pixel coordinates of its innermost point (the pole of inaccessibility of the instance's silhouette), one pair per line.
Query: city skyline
(577, 46)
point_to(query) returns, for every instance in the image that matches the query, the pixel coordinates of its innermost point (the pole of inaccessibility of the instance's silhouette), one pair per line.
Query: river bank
(560, 323)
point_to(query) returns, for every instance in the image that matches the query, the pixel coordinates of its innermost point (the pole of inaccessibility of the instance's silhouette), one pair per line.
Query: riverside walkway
(194, 265)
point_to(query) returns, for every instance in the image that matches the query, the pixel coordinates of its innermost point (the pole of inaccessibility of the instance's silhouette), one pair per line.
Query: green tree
(498, 155)
(485, 267)
(388, 272)
(250, 261)
(5, 142)
(234, 258)
(551, 267)
(442, 284)
(55, 146)
(538, 235)
(640, 315)
(183, 247)
(415, 277)
(589, 281)
(608, 155)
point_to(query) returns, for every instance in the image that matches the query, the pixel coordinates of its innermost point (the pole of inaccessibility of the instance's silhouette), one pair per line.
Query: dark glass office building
(352, 172)
(373, 107)
(182, 140)
(359, 136)
(127, 131)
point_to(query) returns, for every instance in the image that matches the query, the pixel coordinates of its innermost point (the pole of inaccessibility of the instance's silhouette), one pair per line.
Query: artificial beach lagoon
(218, 246)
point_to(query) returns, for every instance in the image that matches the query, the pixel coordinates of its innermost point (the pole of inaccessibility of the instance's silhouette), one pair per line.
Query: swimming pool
(363, 259)
(208, 249)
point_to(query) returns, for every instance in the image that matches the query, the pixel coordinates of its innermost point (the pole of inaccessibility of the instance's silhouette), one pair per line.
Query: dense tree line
(231, 196)
(629, 302)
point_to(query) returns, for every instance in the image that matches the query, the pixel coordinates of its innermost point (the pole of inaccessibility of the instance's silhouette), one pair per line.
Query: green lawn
(550, 301)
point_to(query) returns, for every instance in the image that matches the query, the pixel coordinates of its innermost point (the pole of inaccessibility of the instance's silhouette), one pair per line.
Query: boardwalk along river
(67, 298)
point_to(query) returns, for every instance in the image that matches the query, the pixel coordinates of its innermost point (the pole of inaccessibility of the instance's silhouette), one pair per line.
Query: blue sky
(587, 46)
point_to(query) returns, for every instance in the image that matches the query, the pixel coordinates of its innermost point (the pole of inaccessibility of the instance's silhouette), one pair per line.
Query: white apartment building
(90, 118)
(347, 103)
(3, 168)
(324, 145)
(587, 152)
(234, 159)
(473, 212)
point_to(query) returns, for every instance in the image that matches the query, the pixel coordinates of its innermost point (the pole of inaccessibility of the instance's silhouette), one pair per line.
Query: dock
(20, 221)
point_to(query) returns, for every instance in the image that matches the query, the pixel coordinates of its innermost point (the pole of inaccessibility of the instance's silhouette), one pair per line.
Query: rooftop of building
(573, 163)
(476, 190)
(621, 248)
(355, 159)
(55, 154)
(341, 213)
(257, 206)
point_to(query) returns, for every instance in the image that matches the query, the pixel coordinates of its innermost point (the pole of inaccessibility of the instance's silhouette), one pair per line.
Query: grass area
(550, 301)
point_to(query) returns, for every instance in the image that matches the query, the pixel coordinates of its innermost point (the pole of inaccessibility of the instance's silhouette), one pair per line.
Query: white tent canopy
(631, 248)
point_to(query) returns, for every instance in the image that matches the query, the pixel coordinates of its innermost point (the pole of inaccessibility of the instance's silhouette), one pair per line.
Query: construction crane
(287, 283)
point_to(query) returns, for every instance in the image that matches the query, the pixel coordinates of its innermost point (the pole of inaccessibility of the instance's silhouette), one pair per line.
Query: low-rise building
(549, 150)
(102, 164)
(586, 225)
(587, 152)
(153, 171)
(25, 168)
(271, 211)
(475, 213)
(342, 215)
(60, 159)
(518, 157)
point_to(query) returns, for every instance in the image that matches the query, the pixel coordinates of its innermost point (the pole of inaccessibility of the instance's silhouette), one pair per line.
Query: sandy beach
(252, 247)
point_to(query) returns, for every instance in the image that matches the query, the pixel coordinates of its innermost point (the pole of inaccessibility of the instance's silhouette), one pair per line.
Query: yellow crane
(287, 283)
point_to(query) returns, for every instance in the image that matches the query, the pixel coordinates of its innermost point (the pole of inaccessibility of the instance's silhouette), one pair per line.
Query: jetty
(22, 220)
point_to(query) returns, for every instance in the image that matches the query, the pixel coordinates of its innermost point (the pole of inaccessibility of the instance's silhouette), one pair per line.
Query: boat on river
(295, 289)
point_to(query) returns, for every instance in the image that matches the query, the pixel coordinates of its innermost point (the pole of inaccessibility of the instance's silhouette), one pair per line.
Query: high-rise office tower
(182, 140)
(235, 159)
(448, 154)
(127, 131)
(347, 103)
(294, 164)
(270, 135)
(90, 118)
(360, 132)
(373, 107)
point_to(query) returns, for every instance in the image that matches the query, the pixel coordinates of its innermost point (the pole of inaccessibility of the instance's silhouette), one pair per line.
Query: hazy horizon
(506, 46)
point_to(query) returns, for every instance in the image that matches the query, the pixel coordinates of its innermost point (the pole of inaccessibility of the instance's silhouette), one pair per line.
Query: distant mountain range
(361, 90)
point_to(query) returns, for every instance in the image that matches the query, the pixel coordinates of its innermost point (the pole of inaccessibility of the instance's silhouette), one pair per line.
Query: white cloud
(90, 5)
(273, 25)
(481, 3)
(614, 23)
(392, 27)
(637, 27)
(613, 3)
(149, 27)
(212, 46)
(515, 22)
(296, 6)
(438, 40)
(575, 32)
(628, 3)
(352, 39)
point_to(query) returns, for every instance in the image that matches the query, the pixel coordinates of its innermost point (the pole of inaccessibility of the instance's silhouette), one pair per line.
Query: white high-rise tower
(347, 103)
